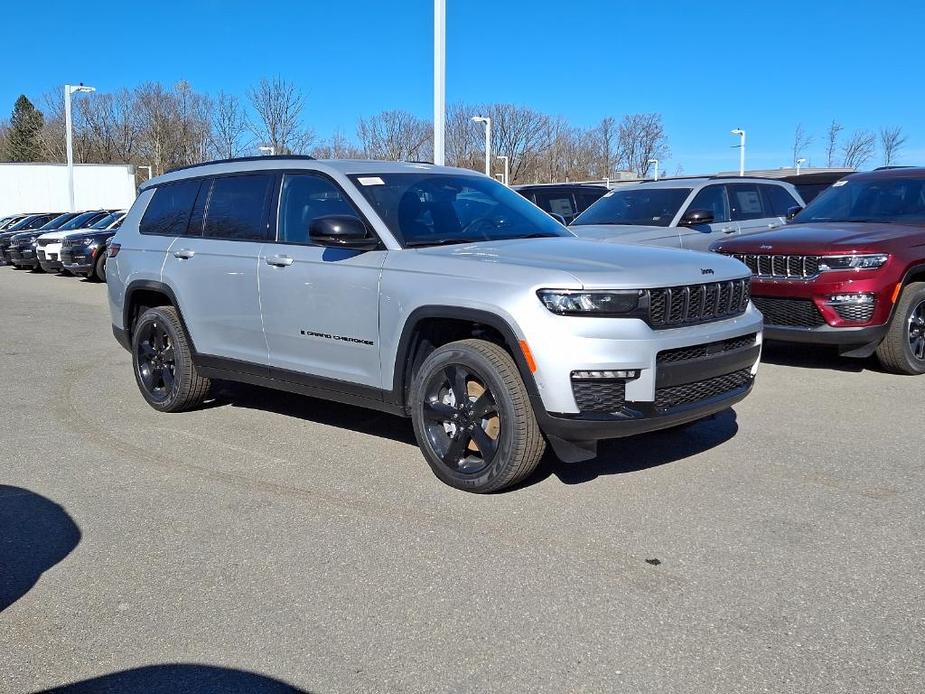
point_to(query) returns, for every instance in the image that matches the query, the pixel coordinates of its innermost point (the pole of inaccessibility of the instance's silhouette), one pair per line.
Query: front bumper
(78, 260)
(23, 257)
(49, 262)
(827, 334)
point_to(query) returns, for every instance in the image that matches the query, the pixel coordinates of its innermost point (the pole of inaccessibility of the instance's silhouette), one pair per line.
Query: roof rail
(272, 157)
(895, 166)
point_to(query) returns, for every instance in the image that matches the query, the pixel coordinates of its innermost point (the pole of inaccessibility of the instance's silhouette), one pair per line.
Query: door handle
(279, 260)
(728, 230)
(184, 253)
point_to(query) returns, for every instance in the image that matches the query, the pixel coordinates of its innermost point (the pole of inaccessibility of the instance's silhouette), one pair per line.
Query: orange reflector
(896, 291)
(528, 355)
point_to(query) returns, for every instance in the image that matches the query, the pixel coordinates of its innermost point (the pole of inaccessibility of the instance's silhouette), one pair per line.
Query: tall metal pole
(488, 146)
(742, 155)
(439, 82)
(70, 148)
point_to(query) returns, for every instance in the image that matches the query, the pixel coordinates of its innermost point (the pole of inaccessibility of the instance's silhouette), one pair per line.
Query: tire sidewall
(907, 306)
(181, 358)
(99, 268)
(508, 431)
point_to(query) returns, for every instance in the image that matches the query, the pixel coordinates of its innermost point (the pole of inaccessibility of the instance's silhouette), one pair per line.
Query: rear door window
(237, 208)
(169, 210)
(778, 200)
(745, 202)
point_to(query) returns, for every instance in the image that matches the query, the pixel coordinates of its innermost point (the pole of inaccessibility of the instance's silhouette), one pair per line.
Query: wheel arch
(141, 295)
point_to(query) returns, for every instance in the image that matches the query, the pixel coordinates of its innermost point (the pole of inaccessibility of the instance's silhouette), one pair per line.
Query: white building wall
(43, 187)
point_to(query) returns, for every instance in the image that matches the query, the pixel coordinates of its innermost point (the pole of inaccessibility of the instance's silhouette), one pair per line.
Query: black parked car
(28, 222)
(566, 200)
(48, 247)
(809, 185)
(85, 254)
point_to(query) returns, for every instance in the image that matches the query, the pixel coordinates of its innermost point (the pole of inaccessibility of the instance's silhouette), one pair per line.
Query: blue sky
(706, 66)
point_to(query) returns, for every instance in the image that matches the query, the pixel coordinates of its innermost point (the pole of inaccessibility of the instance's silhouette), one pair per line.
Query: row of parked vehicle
(71, 242)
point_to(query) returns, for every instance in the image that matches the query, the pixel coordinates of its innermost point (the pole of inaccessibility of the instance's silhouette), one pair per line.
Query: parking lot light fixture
(269, 150)
(69, 138)
(799, 163)
(741, 145)
(487, 121)
(507, 177)
(439, 82)
(150, 171)
(655, 162)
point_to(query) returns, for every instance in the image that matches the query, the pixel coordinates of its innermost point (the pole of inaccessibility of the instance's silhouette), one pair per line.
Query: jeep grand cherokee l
(849, 270)
(425, 291)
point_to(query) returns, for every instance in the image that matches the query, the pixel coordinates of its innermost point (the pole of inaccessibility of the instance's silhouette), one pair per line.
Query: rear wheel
(473, 419)
(163, 364)
(99, 269)
(903, 349)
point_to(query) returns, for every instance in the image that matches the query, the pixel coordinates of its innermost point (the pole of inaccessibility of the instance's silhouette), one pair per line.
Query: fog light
(631, 373)
(850, 300)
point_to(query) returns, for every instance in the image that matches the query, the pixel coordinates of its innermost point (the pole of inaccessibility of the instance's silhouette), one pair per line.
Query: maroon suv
(849, 270)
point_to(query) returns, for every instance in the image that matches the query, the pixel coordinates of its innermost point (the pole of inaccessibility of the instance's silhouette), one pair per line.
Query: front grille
(780, 266)
(45, 242)
(855, 312)
(688, 393)
(796, 313)
(673, 307)
(670, 356)
(599, 395)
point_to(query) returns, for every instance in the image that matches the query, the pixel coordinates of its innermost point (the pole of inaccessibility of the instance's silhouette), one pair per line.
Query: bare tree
(858, 149)
(801, 141)
(463, 141)
(605, 141)
(337, 147)
(519, 133)
(228, 127)
(831, 148)
(279, 105)
(395, 136)
(642, 137)
(891, 141)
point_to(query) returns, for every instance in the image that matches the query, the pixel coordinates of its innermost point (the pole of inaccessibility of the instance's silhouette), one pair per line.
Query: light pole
(487, 121)
(439, 82)
(741, 134)
(149, 170)
(268, 149)
(507, 179)
(654, 161)
(800, 162)
(68, 90)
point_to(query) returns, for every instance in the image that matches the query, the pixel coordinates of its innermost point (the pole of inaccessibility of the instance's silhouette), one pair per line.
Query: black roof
(559, 186)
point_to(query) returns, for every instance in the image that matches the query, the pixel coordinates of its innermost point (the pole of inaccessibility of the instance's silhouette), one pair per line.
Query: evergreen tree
(23, 142)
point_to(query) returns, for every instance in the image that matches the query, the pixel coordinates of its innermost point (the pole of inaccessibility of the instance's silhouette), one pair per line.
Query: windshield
(873, 200)
(106, 221)
(56, 222)
(79, 222)
(423, 209)
(637, 206)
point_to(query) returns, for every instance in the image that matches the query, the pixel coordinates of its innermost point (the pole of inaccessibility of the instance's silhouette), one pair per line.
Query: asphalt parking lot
(271, 539)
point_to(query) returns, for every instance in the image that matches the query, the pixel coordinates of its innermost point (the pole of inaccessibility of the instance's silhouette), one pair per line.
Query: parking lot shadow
(35, 534)
(814, 357)
(620, 456)
(178, 678)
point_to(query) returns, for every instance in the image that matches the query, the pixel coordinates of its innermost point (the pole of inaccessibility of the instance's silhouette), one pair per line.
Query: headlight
(568, 302)
(852, 262)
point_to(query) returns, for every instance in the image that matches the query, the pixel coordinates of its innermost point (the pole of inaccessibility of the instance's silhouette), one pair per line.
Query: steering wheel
(479, 224)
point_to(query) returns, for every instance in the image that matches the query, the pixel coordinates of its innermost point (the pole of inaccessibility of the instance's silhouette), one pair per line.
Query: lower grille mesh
(854, 312)
(669, 356)
(688, 393)
(598, 395)
(798, 313)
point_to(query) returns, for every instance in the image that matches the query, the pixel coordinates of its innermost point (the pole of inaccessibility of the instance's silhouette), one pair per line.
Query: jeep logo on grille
(706, 271)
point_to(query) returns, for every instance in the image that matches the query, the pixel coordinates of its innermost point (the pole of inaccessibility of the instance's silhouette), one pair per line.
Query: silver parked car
(429, 292)
(688, 212)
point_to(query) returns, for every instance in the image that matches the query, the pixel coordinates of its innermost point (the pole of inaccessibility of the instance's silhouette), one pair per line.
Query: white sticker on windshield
(371, 181)
(838, 183)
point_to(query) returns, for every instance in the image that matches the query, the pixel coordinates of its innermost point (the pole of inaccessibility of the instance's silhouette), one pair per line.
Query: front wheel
(99, 268)
(903, 349)
(473, 419)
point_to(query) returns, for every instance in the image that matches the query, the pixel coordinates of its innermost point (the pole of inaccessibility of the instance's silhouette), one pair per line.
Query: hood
(826, 238)
(593, 265)
(625, 233)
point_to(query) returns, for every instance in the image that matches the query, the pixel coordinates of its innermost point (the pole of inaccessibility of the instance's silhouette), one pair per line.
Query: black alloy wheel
(156, 361)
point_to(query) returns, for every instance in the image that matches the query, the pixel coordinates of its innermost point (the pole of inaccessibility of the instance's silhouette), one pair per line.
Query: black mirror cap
(694, 217)
(341, 231)
(793, 212)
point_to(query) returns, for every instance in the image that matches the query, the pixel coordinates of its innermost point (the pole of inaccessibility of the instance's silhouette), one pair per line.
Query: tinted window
(237, 208)
(81, 221)
(105, 221)
(778, 200)
(808, 191)
(745, 201)
(427, 209)
(641, 206)
(712, 199)
(169, 210)
(557, 203)
(874, 200)
(586, 198)
(305, 198)
(57, 221)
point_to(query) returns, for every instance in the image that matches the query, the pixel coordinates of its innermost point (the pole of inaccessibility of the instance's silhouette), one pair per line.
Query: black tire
(99, 269)
(163, 364)
(495, 401)
(903, 349)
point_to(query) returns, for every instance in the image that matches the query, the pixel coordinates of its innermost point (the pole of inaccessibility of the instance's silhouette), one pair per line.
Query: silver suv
(430, 292)
(688, 212)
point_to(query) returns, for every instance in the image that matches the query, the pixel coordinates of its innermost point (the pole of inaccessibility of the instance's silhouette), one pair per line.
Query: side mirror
(559, 218)
(341, 231)
(695, 217)
(793, 212)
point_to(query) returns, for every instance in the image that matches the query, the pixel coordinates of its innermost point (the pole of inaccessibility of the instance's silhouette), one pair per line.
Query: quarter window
(778, 200)
(237, 208)
(745, 202)
(712, 199)
(305, 198)
(169, 210)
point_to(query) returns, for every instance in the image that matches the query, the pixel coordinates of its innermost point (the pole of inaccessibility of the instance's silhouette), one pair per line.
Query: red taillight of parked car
(114, 249)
